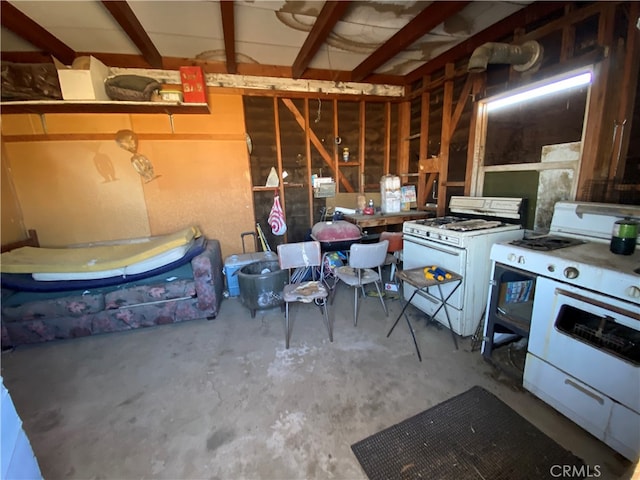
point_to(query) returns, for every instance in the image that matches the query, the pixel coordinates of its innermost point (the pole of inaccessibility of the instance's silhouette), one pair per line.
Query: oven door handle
(571, 383)
(432, 246)
(596, 303)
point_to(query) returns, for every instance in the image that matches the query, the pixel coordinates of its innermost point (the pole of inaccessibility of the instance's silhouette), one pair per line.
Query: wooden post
(445, 138)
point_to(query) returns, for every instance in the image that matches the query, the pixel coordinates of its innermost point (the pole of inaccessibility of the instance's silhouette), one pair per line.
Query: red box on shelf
(194, 89)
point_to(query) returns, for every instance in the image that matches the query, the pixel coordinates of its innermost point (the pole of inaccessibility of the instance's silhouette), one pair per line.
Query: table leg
(404, 308)
(446, 312)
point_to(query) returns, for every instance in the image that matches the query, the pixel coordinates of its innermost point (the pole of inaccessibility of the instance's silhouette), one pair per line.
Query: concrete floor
(223, 399)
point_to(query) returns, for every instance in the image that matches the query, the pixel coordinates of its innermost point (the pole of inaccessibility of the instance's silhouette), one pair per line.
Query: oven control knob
(571, 273)
(633, 292)
(551, 268)
(511, 257)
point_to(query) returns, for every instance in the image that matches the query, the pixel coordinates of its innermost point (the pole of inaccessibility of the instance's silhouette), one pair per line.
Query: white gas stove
(580, 312)
(576, 250)
(461, 243)
(473, 216)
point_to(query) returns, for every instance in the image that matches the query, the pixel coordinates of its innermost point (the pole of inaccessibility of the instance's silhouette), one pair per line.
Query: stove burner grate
(546, 243)
(437, 221)
(469, 225)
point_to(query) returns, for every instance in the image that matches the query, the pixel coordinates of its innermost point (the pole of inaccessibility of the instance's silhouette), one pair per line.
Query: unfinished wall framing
(354, 141)
(601, 34)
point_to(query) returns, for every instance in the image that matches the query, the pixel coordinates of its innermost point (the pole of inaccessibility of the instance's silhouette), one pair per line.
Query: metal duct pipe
(521, 57)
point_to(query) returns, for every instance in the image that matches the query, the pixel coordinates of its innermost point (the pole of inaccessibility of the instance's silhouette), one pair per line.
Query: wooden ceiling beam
(420, 25)
(331, 12)
(16, 21)
(122, 13)
(229, 33)
(504, 28)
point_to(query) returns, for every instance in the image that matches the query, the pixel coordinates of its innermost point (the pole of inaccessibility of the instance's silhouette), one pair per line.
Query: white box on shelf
(390, 194)
(84, 80)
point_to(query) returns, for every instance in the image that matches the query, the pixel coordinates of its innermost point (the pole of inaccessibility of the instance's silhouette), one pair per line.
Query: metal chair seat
(349, 275)
(305, 292)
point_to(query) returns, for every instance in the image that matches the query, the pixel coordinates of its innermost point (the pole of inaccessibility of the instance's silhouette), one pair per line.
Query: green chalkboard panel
(514, 184)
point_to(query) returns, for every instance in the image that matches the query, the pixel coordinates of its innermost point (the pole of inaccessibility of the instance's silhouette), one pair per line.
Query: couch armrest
(208, 277)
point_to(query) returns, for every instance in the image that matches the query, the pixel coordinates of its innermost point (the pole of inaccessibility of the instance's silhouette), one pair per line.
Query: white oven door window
(589, 336)
(420, 253)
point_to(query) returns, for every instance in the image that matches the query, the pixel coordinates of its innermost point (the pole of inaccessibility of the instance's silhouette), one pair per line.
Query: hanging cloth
(276, 217)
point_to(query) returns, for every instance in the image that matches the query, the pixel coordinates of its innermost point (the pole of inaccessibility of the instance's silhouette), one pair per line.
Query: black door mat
(473, 435)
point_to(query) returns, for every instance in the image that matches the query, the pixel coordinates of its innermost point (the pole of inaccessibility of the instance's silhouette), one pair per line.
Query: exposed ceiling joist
(122, 13)
(229, 32)
(16, 21)
(273, 39)
(331, 12)
(425, 21)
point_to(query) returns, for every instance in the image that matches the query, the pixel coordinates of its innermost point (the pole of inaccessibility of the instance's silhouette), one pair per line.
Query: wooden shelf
(349, 164)
(261, 188)
(68, 106)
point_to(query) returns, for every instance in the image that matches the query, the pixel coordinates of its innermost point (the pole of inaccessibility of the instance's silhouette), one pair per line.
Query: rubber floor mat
(473, 435)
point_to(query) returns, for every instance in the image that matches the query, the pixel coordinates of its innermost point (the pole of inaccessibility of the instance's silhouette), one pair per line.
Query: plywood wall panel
(77, 192)
(206, 183)
(88, 123)
(22, 124)
(150, 123)
(12, 225)
(226, 117)
(82, 188)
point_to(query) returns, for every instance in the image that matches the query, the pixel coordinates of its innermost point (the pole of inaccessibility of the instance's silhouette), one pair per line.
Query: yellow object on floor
(95, 258)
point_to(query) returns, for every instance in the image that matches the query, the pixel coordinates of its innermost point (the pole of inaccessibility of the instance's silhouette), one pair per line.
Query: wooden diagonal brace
(318, 144)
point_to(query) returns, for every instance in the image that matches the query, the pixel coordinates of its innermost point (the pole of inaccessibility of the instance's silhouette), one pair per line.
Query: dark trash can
(261, 285)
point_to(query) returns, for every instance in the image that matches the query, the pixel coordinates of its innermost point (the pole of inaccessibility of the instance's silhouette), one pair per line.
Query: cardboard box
(516, 292)
(84, 80)
(194, 88)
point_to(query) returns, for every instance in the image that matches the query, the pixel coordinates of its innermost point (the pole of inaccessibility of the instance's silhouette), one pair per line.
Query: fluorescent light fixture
(579, 80)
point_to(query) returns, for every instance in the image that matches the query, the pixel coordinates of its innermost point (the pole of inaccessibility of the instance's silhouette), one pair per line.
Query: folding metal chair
(300, 258)
(365, 263)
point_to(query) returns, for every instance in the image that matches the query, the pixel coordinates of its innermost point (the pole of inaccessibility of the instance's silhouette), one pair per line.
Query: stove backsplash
(586, 220)
(589, 220)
